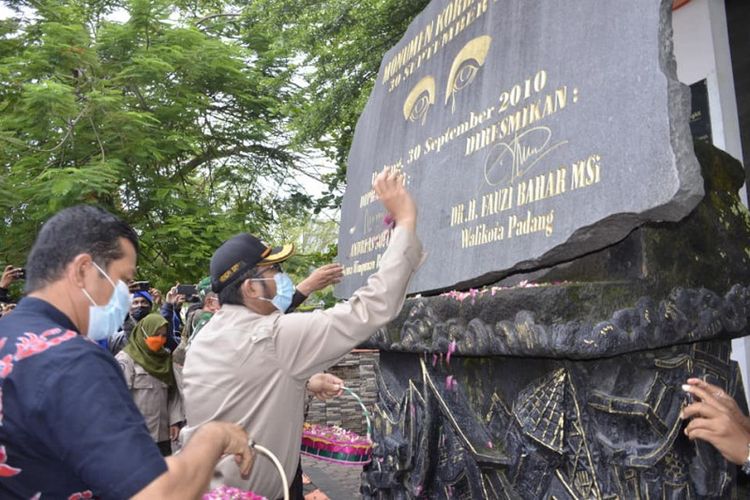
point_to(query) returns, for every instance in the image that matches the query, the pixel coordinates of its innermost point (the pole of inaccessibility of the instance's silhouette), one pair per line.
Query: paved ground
(336, 482)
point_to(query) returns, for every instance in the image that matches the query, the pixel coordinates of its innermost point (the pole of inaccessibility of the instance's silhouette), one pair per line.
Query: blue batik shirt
(68, 426)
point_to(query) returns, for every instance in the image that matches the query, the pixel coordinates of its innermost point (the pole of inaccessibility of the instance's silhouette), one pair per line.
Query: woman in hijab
(147, 367)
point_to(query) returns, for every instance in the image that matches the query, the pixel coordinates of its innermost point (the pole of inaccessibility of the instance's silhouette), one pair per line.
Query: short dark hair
(232, 293)
(73, 231)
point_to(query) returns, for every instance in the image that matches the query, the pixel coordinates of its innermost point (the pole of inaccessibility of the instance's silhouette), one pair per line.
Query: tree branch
(213, 16)
(101, 147)
(213, 154)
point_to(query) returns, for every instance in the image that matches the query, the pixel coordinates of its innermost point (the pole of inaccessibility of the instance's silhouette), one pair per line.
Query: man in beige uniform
(250, 364)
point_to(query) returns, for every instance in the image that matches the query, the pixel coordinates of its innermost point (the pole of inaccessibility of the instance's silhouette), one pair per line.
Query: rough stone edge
(686, 316)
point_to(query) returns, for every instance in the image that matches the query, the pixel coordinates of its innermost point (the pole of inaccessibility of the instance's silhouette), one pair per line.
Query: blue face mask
(107, 319)
(284, 291)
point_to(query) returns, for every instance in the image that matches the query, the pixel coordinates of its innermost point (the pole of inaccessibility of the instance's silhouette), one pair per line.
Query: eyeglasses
(275, 267)
(260, 270)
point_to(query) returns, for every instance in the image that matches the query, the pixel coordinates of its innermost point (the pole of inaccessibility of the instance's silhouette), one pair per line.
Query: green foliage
(339, 45)
(174, 127)
(314, 239)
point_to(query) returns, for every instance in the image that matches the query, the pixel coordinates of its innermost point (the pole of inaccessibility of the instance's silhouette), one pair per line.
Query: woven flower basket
(336, 445)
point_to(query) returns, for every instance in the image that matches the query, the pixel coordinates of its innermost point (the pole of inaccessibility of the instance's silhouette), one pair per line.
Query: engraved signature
(509, 160)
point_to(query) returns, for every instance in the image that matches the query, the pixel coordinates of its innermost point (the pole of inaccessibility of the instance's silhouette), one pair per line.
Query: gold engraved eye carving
(419, 100)
(465, 67)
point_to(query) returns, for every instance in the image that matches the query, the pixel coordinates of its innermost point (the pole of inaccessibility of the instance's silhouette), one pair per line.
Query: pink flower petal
(451, 350)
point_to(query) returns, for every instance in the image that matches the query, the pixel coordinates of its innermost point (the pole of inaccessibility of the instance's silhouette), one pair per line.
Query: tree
(192, 119)
(175, 126)
(338, 46)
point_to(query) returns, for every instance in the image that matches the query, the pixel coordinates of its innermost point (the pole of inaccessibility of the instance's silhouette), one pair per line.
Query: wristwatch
(746, 465)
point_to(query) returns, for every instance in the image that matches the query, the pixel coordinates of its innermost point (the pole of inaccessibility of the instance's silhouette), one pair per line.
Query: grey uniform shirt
(251, 369)
(160, 406)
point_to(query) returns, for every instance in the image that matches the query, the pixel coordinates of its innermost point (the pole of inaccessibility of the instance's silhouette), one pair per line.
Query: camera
(187, 290)
(21, 273)
(139, 286)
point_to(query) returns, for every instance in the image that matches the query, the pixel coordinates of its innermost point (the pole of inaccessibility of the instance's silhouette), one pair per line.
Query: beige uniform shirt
(252, 369)
(160, 406)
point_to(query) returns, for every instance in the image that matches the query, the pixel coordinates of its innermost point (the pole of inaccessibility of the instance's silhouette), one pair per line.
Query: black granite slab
(530, 133)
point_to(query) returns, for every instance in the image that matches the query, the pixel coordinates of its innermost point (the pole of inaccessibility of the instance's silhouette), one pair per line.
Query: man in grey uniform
(252, 364)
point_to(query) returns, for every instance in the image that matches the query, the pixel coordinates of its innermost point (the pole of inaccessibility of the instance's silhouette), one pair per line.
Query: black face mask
(140, 313)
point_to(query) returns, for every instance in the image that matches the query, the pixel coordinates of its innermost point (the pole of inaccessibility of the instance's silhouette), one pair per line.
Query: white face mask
(284, 291)
(107, 319)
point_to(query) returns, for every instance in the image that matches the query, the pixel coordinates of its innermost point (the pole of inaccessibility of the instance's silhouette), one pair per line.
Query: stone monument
(530, 133)
(548, 148)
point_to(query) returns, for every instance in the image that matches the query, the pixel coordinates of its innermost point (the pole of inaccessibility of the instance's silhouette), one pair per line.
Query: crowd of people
(109, 390)
(79, 422)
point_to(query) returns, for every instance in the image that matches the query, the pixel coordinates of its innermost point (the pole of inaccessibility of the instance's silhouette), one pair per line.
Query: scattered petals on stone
(451, 350)
(450, 383)
(474, 293)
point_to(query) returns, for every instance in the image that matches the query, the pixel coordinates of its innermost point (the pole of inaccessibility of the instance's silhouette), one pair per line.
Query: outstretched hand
(325, 386)
(322, 277)
(389, 186)
(174, 298)
(10, 274)
(236, 443)
(156, 294)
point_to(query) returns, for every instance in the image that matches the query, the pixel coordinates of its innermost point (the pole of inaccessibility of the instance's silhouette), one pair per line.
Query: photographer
(10, 274)
(171, 312)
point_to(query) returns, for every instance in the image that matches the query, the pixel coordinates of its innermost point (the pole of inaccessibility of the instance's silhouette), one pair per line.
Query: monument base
(571, 389)
(509, 427)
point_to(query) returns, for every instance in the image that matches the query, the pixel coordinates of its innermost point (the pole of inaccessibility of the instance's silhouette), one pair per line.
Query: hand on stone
(716, 424)
(702, 389)
(321, 278)
(389, 186)
(324, 386)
